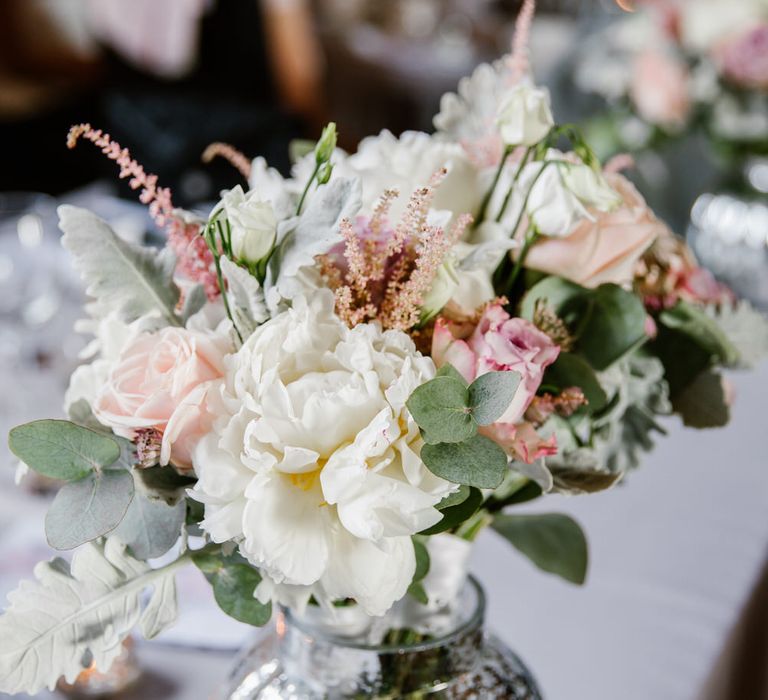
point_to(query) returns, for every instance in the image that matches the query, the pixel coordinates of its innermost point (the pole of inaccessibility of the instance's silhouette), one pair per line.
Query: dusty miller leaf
(194, 300)
(746, 328)
(122, 276)
(246, 297)
(71, 613)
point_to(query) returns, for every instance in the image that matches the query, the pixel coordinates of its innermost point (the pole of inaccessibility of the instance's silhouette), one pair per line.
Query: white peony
(525, 116)
(253, 225)
(313, 464)
(407, 163)
(704, 23)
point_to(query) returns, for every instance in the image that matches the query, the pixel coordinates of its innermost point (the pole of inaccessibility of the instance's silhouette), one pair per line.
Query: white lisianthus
(253, 224)
(525, 116)
(313, 464)
(444, 286)
(561, 194)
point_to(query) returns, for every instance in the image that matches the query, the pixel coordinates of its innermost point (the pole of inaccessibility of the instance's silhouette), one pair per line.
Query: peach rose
(659, 89)
(603, 247)
(160, 382)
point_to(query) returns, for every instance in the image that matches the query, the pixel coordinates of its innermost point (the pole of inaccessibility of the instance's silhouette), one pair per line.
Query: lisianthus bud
(324, 173)
(444, 285)
(524, 117)
(590, 186)
(253, 225)
(326, 144)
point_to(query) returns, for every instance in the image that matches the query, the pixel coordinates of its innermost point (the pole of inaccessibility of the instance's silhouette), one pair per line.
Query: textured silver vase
(306, 658)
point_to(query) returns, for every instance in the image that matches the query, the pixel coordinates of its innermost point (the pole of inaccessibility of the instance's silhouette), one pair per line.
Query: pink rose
(160, 383)
(521, 440)
(604, 247)
(498, 343)
(659, 89)
(743, 59)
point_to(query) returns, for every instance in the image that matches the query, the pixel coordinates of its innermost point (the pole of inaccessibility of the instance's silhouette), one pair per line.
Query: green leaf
(441, 408)
(614, 325)
(88, 508)
(150, 526)
(554, 542)
(131, 279)
(570, 370)
(417, 591)
(422, 559)
(454, 515)
(477, 461)
(702, 329)
(581, 481)
(453, 499)
(62, 450)
(703, 403)
(448, 370)
(491, 394)
(163, 484)
(559, 294)
(234, 581)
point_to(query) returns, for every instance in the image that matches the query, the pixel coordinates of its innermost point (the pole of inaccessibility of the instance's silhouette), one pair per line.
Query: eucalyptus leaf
(703, 403)
(422, 559)
(453, 499)
(234, 582)
(162, 484)
(448, 370)
(581, 481)
(150, 527)
(62, 450)
(491, 394)
(477, 461)
(560, 295)
(88, 508)
(614, 325)
(131, 279)
(456, 514)
(702, 329)
(77, 612)
(441, 409)
(570, 370)
(553, 542)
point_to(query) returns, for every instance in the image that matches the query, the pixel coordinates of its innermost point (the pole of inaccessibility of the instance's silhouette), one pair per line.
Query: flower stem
(487, 199)
(471, 528)
(529, 241)
(306, 189)
(519, 170)
(210, 239)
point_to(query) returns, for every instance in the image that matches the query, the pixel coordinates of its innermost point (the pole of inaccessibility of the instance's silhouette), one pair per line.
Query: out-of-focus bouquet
(677, 64)
(334, 381)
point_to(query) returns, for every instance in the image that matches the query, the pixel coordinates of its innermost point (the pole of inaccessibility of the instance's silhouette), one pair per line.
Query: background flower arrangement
(337, 377)
(679, 64)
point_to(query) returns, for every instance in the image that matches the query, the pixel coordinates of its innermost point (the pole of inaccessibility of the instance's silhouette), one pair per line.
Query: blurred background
(167, 77)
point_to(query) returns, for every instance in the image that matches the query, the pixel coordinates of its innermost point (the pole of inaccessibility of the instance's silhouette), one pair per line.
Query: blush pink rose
(521, 440)
(659, 89)
(606, 246)
(160, 383)
(498, 343)
(743, 59)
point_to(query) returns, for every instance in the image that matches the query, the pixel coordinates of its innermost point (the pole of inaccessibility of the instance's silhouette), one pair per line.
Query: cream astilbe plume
(229, 153)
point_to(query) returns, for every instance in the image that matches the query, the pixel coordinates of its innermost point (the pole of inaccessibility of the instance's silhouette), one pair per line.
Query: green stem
(529, 241)
(519, 170)
(210, 239)
(306, 189)
(471, 528)
(487, 199)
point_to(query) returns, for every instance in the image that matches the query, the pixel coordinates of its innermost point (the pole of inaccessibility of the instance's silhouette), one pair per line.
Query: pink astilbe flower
(193, 257)
(619, 163)
(231, 155)
(383, 273)
(519, 59)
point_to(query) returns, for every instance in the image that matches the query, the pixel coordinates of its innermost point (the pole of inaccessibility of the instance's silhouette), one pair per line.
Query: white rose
(444, 286)
(313, 464)
(525, 116)
(253, 224)
(560, 194)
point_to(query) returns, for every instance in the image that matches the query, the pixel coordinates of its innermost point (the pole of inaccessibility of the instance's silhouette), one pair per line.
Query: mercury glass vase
(310, 657)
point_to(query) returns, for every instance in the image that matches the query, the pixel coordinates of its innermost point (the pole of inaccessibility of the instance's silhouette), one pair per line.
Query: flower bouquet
(321, 393)
(677, 65)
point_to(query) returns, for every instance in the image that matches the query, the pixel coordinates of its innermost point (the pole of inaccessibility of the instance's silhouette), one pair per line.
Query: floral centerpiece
(675, 65)
(332, 383)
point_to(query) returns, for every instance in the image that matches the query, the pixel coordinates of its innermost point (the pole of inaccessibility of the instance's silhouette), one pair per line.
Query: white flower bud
(524, 117)
(444, 285)
(253, 225)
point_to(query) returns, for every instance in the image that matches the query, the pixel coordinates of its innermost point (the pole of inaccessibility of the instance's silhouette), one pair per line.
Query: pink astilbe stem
(519, 60)
(194, 260)
(231, 155)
